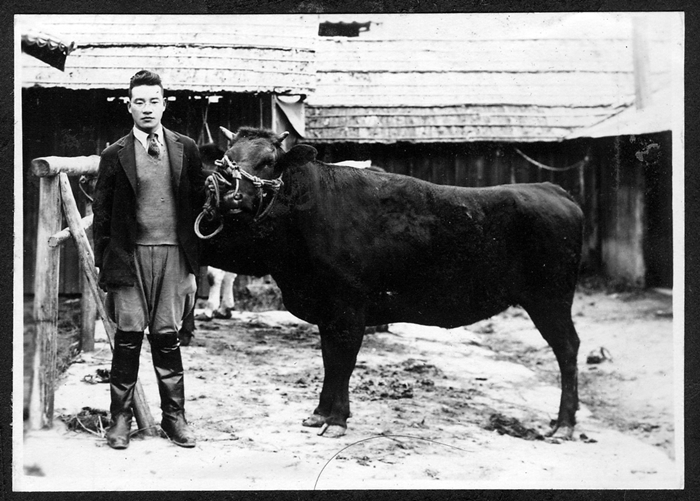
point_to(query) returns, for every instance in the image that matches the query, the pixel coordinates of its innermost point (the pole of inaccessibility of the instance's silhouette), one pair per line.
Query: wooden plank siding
(635, 209)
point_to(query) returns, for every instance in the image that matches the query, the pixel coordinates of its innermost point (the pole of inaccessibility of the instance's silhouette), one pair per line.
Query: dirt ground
(432, 408)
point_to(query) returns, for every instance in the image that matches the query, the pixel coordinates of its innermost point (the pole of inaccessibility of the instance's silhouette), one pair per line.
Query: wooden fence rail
(73, 166)
(62, 236)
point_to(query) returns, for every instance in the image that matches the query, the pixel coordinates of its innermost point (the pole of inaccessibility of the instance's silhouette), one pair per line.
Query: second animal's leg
(227, 299)
(186, 332)
(215, 278)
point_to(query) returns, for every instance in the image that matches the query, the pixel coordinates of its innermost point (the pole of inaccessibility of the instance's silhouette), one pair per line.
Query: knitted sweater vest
(156, 211)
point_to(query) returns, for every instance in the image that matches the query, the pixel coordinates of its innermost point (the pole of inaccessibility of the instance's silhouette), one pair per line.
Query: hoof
(224, 314)
(203, 317)
(314, 421)
(118, 442)
(563, 432)
(333, 431)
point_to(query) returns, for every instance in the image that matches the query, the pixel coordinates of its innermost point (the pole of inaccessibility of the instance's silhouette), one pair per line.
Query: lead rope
(210, 209)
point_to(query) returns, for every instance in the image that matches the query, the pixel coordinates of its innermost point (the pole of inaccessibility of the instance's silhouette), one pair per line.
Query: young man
(150, 186)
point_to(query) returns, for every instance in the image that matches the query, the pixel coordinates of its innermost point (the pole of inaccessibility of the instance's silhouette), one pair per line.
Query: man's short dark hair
(145, 77)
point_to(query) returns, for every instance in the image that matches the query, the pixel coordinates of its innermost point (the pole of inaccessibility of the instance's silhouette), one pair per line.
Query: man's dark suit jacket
(114, 205)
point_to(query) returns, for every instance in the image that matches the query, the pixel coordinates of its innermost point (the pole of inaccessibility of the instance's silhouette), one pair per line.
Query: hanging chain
(534, 162)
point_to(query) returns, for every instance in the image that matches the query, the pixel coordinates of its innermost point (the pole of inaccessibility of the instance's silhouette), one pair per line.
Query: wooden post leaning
(88, 303)
(144, 419)
(88, 307)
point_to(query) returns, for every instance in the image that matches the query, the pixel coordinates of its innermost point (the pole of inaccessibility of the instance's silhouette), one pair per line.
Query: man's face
(147, 106)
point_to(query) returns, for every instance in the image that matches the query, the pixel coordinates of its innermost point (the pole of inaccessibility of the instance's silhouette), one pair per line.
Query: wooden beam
(73, 166)
(70, 208)
(62, 236)
(46, 277)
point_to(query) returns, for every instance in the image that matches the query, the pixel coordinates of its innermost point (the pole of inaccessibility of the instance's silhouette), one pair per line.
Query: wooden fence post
(45, 306)
(144, 419)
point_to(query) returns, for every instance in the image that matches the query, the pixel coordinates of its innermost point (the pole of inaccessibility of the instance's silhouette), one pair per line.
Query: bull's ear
(300, 154)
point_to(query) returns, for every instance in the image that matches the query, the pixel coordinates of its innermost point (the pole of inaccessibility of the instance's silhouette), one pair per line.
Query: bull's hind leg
(555, 324)
(340, 344)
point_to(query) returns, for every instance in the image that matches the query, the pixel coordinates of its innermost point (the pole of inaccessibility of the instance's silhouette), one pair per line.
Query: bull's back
(488, 248)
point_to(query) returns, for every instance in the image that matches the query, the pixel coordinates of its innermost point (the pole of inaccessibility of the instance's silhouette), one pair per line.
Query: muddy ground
(432, 408)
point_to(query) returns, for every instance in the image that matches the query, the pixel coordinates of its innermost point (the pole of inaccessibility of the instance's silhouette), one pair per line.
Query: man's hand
(210, 185)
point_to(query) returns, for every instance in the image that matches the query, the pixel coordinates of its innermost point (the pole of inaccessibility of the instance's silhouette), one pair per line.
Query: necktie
(153, 146)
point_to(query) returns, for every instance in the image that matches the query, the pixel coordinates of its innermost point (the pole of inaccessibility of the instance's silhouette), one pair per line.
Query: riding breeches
(164, 292)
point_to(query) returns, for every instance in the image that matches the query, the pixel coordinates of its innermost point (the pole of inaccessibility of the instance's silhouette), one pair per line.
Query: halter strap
(235, 173)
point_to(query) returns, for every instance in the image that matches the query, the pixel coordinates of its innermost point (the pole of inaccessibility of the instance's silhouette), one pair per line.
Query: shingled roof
(228, 53)
(456, 78)
(415, 77)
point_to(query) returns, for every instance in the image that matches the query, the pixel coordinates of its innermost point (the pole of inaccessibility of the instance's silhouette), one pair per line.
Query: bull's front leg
(340, 344)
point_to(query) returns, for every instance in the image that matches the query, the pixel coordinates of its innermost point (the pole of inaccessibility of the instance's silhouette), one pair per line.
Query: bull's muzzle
(232, 202)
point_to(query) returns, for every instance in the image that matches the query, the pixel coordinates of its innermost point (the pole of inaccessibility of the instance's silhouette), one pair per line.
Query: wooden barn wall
(62, 122)
(656, 154)
(488, 164)
(636, 216)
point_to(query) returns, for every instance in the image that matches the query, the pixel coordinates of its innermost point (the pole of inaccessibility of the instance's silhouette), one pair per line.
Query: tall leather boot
(167, 361)
(122, 381)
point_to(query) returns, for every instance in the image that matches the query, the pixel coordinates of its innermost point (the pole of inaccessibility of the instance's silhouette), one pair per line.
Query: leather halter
(235, 173)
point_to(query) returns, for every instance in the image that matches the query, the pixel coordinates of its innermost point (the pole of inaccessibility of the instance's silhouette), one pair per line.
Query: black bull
(351, 247)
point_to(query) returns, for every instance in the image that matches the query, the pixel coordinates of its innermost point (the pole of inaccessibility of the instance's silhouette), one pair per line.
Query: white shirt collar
(143, 137)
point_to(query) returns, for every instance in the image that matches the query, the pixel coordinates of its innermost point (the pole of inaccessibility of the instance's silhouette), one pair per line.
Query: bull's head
(253, 166)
